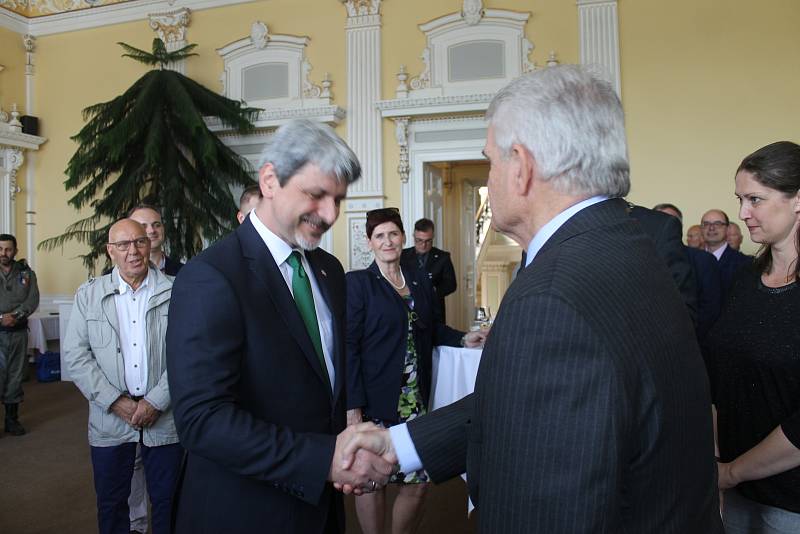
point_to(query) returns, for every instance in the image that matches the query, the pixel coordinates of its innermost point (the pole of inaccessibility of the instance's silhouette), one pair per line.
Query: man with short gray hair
(591, 405)
(256, 355)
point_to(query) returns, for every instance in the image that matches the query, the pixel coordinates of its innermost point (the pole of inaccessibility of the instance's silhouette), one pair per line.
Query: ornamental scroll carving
(356, 8)
(401, 134)
(171, 26)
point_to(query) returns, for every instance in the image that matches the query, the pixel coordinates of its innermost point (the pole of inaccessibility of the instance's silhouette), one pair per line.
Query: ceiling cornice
(101, 16)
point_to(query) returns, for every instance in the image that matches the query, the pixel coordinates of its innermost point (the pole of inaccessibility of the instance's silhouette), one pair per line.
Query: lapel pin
(323, 272)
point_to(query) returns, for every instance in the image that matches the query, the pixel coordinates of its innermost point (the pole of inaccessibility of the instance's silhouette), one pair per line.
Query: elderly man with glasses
(715, 226)
(114, 350)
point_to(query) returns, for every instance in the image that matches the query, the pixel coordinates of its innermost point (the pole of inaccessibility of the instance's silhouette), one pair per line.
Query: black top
(755, 347)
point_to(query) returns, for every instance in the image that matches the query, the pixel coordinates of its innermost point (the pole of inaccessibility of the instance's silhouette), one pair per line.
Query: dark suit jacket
(171, 267)
(591, 406)
(729, 264)
(709, 289)
(440, 270)
(667, 235)
(377, 330)
(251, 403)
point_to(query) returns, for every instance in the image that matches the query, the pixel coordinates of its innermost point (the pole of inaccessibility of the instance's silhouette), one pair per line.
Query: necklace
(403, 278)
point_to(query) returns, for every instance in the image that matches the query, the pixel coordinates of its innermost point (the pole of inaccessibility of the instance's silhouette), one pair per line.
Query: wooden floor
(46, 476)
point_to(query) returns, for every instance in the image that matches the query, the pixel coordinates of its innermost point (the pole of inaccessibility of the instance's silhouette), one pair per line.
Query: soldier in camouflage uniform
(19, 297)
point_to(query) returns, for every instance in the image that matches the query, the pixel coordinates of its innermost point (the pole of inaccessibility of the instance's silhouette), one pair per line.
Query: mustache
(315, 221)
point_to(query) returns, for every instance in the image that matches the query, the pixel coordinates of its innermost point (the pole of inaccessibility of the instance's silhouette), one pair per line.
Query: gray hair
(572, 123)
(301, 141)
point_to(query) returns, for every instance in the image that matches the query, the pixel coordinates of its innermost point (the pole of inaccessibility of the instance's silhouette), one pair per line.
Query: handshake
(363, 460)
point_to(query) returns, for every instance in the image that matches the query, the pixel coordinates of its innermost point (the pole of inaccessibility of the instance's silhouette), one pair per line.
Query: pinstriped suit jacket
(591, 410)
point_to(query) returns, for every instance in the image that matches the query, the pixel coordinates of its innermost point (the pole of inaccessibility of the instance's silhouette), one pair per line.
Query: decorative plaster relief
(171, 26)
(472, 12)
(360, 255)
(259, 34)
(358, 8)
(401, 134)
(29, 42)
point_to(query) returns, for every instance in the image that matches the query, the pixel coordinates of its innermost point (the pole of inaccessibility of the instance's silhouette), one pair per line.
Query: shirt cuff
(404, 448)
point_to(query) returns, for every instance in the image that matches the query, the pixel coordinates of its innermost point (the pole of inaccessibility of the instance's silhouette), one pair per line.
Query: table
(41, 328)
(454, 372)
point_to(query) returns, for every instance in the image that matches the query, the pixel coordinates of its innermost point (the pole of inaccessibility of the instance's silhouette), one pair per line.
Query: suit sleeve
(440, 438)
(670, 248)
(356, 310)
(204, 358)
(448, 282)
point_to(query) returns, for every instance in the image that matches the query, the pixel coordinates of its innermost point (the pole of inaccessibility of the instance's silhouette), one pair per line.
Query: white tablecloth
(41, 328)
(454, 372)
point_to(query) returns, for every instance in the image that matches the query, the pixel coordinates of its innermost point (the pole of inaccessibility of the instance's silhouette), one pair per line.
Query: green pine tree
(152, 145)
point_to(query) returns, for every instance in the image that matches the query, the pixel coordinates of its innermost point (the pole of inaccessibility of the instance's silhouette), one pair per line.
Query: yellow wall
(704, 83)
(12, 78)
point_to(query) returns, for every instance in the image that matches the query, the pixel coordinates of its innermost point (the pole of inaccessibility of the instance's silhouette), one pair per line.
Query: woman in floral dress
(392, 326)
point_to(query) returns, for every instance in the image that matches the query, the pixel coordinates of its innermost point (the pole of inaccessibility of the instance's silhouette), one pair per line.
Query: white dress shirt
(718, 253)
(403, 445)
(131, 308)
(281, 251)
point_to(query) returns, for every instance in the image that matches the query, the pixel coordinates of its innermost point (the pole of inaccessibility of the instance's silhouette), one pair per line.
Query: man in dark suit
(591, 411)
(715, 227)
(256, 355)
(434, 262)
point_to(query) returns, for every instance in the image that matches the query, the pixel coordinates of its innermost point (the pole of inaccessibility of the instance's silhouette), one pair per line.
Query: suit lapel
(265, 269)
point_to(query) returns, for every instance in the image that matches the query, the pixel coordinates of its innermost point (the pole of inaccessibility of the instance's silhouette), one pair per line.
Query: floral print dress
(409, 405)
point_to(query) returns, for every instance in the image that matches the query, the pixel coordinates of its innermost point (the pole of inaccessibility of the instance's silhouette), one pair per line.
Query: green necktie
(304, 299)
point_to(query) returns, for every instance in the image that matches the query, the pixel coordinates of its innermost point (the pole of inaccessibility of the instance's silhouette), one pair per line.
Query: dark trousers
(113, 469)
(13, 359)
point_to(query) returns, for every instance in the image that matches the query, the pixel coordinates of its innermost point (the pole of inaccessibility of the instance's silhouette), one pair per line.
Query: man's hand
(354, 417)
(9, 320)
(124, 407)
(476, 339)
(145, 415)
(356, 466)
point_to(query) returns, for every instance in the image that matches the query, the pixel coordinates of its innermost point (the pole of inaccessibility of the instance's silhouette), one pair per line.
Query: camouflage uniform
(19, 296)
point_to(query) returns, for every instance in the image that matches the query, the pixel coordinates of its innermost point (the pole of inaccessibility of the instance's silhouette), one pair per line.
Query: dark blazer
(591, 407)
(667, 235)
(439, 268)
(251, 403)
(729, 264)
(377, 330)
(709, 289)
(171, 267)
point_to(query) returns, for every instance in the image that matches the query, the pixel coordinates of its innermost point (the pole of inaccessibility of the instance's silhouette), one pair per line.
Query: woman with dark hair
(393, 324)
(755, 347)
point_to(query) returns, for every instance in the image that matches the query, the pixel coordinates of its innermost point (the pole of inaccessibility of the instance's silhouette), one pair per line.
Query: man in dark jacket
(434, 262)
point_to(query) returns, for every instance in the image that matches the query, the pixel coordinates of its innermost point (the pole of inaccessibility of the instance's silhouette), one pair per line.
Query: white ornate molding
(259, 34)
(360, 8)
(273, 118)
(102, 16)
(171, 29)
(360, 256)
(434, 105)
(599, 39)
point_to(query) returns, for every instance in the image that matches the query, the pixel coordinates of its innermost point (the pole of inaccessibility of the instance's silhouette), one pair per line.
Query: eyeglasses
(715, 224)
(419, 241)
(140, 242)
